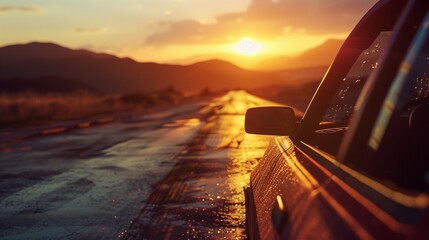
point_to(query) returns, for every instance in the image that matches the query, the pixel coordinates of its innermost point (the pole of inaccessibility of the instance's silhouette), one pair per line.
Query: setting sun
(248, 47)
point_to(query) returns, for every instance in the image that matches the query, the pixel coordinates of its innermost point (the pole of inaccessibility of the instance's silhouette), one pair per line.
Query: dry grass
(32, 108)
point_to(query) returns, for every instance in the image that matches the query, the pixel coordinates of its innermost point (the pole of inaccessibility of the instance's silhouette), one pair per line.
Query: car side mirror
(270, 121)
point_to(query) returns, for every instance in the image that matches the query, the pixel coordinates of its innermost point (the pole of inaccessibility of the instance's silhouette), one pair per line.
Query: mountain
(42, 51)
(321, 55)
(110, 74)
(239, 60)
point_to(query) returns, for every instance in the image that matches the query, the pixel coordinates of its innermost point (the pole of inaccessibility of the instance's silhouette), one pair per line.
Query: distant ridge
(110, 74)
(214, 62)
(321, 55)
(45, 51)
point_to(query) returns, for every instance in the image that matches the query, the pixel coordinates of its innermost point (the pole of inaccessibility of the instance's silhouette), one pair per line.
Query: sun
(247, 47)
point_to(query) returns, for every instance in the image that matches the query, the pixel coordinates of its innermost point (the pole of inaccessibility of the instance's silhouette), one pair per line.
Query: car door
(299, 189)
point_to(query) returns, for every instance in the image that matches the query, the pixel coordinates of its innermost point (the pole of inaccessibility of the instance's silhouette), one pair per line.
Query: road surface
(174, 174)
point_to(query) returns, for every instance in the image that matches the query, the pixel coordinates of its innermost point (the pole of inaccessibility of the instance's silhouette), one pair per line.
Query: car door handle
(279, 215)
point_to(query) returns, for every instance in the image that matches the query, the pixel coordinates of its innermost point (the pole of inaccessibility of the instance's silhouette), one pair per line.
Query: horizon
(175, 32)
(192, 59)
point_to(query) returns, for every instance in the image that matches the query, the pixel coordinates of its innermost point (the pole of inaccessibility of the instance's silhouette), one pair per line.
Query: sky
(175, 30)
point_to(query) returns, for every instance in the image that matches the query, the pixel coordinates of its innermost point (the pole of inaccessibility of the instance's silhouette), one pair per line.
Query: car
(356, 166)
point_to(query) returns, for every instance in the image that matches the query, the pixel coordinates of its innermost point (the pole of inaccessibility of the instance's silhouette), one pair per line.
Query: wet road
(175, 174)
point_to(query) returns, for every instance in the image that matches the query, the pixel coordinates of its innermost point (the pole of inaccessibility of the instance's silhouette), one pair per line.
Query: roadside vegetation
(31, 108)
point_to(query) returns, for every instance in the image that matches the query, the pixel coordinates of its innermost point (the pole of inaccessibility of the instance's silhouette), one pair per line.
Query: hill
(321, 55)
(110, 74)
(42, 51)
(242, 61)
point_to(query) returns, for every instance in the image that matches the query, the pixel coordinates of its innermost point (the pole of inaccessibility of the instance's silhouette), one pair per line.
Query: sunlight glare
(248, 47)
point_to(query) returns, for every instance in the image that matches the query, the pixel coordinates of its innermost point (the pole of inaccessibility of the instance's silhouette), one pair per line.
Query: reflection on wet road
(176, 174)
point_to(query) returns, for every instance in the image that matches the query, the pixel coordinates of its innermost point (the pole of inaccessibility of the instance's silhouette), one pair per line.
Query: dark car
(356, 166)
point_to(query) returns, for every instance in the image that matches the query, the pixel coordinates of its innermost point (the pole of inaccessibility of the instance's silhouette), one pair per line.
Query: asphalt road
(173, 174)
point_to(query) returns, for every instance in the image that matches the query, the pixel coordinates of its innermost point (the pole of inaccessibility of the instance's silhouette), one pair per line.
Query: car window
(398, 143)
(341, 106)
(334, 123)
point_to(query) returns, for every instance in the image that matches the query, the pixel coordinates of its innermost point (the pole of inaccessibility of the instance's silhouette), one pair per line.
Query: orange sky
(176, 30)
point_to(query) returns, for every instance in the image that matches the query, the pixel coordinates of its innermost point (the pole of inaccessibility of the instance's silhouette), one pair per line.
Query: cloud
(89, 30)
(266, 20)
(28, 9)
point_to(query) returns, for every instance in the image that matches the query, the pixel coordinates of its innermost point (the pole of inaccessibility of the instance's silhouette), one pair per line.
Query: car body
(356, 166)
